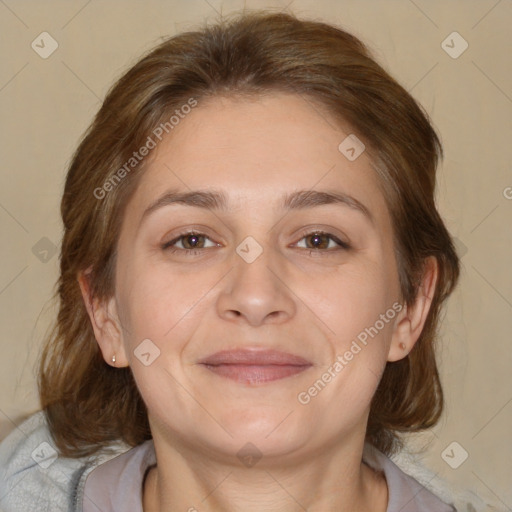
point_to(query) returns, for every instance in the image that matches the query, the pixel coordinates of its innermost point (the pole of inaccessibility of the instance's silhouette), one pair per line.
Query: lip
(254, 357)
(255, 366)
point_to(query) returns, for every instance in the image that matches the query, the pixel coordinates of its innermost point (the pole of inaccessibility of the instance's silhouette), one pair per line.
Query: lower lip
(255, 374)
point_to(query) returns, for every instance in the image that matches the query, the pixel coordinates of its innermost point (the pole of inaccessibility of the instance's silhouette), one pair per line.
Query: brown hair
(87, 402)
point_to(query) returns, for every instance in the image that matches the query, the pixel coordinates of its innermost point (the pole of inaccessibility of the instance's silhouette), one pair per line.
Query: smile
(255, 367)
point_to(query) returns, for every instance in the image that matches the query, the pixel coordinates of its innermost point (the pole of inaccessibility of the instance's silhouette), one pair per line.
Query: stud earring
(402, 345)
(114, 358)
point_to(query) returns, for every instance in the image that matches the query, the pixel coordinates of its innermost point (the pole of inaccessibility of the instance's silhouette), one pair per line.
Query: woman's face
(204, 330)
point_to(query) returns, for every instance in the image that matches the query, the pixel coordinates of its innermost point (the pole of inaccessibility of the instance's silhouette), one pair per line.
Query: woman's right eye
(191, 238)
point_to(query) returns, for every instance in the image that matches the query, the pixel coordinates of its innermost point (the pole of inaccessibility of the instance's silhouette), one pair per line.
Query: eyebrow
(298, 200)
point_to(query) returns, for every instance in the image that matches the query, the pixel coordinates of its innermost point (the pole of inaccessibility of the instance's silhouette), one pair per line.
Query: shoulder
(34, 477)
(421, 487)
(117, 483)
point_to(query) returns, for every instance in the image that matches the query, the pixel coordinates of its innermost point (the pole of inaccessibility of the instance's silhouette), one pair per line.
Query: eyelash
(167, 246)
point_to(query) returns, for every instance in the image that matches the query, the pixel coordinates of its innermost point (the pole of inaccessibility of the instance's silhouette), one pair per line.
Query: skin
(309, 303)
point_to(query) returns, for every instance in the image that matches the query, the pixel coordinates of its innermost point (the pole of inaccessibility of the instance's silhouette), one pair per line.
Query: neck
(334, 480)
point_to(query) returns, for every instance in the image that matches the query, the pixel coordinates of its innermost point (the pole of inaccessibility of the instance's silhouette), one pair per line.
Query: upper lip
(254, 357)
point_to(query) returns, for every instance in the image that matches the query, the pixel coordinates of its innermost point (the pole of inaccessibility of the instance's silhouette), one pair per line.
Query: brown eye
(190, 241)
(193, 241)
(319, 240)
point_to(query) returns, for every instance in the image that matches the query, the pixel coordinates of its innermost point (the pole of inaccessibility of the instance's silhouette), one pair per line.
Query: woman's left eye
(196, 242)
(317, 236)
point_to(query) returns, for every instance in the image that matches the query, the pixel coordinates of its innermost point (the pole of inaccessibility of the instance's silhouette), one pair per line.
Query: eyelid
(308, 231)
(176, 238)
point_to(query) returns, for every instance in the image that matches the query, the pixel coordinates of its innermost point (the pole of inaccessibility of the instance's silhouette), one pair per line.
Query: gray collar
(117, 484)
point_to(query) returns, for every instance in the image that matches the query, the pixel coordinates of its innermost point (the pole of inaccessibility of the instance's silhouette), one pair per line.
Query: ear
(410, 321)
(105, 323)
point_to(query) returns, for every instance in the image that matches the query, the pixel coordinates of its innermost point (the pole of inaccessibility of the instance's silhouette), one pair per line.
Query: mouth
(255, 366)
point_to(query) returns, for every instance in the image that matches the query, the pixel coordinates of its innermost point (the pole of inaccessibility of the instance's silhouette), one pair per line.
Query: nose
(257, 292)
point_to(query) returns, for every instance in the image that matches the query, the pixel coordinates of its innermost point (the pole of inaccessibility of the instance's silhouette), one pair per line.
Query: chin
(273, 431)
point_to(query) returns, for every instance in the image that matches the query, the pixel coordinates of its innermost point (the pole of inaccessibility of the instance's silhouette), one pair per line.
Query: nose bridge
(255, 261)
(256, 287)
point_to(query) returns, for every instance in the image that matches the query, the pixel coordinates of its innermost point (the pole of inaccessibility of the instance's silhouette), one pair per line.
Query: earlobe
(412, 319)
(105, 323)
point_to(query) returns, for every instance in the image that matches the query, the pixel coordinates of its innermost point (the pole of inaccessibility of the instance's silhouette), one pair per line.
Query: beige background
(46, 104)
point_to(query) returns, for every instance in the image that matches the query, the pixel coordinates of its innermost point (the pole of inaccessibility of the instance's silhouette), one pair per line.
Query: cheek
(353, 299)
(161, 304)
(361, 323)
(357, 309)
(166, 308)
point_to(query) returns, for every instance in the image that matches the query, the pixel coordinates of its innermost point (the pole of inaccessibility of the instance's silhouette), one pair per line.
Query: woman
(252, 273)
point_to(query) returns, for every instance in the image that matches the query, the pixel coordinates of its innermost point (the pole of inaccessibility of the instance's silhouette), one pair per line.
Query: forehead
(258, 150)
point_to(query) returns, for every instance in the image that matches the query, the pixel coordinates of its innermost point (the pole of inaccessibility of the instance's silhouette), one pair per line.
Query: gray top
(34, 479)
(117, 484)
